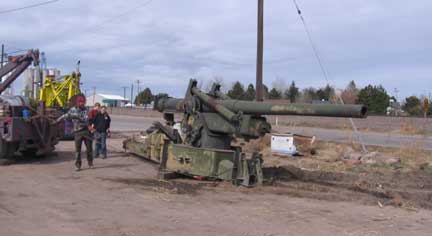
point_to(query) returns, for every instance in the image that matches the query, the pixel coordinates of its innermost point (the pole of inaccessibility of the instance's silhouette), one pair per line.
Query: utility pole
(124, 91)
(260, 46)
(85, 92)
(94, 94)
(131, 101)
(2, 55)
(397, 102)
(396, 92)
(138, 87)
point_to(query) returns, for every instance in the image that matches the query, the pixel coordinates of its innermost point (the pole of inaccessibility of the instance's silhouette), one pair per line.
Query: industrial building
(107, 100)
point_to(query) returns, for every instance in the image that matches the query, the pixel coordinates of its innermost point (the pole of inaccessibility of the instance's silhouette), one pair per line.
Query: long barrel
(267, 108)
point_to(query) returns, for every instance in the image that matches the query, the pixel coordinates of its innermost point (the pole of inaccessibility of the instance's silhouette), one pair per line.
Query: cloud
(165, 43)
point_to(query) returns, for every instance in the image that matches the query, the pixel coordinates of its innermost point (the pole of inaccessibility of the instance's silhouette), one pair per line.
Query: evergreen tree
(375, 98)
(352, 86)
(237, 91)
(144, 97)
(266, 92)
(292, 92)
(250, 93)
(325, 93)
(309, 94)
(413, 105)
(275, 94)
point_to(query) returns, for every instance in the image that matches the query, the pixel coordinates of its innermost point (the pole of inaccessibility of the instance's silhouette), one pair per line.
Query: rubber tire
(4, 149)
(7, 151)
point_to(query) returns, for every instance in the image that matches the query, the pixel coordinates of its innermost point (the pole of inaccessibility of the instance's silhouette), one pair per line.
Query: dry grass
(329, 155)
(408, 127)
(258, 145)
(412, 155)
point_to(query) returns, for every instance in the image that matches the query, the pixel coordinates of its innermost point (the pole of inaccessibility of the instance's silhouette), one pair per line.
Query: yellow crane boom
(58, 92)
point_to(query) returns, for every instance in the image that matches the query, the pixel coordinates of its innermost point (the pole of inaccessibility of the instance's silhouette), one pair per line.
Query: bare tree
(207, 84)
(279, 84)
(350, 93)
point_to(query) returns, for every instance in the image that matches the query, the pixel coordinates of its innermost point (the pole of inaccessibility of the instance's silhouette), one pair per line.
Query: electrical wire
(113, 18)
(325, 73)
(29, 6)
(313, 46)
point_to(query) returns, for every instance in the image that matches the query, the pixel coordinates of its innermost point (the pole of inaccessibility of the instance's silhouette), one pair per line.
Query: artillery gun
(203, 147)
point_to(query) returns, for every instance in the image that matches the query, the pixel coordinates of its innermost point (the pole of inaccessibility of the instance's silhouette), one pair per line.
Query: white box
(283, 143)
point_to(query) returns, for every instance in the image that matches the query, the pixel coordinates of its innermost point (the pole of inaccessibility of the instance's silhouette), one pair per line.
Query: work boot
(90, 163)
(78, 166)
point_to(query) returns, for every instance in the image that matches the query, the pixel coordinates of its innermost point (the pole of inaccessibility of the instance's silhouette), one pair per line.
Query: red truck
(25, 126)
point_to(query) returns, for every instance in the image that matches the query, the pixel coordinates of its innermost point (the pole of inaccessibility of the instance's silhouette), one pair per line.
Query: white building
(108, 100)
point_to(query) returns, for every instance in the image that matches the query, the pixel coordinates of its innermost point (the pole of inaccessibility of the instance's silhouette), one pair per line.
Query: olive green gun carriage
(203, 147)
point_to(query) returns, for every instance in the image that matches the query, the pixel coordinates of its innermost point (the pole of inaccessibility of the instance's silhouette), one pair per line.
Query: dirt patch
(402, 189)
(165, 186)
(326, 175)
(5, 209)
(122, 197)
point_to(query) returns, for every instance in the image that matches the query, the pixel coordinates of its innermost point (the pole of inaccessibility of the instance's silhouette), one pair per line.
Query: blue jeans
(100, 144)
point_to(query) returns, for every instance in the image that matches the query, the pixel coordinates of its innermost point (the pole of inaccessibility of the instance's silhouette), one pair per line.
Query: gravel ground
(122, 196)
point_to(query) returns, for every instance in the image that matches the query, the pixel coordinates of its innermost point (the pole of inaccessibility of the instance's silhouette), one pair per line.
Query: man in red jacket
(94, 111)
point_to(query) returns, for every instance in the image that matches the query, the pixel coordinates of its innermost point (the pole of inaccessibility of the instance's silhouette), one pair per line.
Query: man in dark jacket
(81, 124)
(101, 125)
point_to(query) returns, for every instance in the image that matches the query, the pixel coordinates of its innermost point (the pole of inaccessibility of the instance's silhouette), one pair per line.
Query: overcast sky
(166, 42)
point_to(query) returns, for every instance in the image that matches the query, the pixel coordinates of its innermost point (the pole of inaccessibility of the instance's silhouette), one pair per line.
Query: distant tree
(207, 84)
(292, 92)
(237, 91)
(325, 93)
(266, 91)
(309, 94)
(375, 98)
(144, 97)
(426, 106)
(275, 94)
(250, 93)
(429, 107)
(413, 105)
(279, 84)
(349, 95)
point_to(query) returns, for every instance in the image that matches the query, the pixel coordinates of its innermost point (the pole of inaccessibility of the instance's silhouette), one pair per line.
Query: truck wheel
(28, 153)
(7, 151)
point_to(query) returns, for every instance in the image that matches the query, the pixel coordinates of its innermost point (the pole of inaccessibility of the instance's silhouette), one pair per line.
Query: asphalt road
(133, 123)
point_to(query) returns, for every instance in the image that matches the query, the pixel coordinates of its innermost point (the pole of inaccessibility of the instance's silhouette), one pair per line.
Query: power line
(113, 18)
(29, 6)
(325, 73)
(314, 48)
